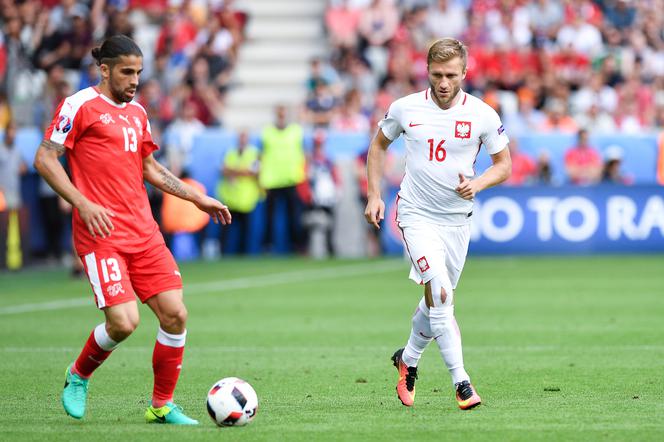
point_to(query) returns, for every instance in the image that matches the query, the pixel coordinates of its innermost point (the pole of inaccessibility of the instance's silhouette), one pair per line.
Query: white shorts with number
(433, 248)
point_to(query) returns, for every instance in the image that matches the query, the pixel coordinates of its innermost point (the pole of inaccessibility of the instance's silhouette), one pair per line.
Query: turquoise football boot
(75, 394)
(168, 414)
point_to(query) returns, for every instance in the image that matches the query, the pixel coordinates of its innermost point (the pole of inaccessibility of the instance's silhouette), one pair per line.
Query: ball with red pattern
(232, 402)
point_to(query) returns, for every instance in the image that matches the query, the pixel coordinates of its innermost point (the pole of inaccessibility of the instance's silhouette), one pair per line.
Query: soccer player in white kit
(444, 128)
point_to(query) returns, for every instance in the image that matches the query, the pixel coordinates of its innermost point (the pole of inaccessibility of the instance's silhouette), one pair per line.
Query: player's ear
(463, 74)
(105, 71)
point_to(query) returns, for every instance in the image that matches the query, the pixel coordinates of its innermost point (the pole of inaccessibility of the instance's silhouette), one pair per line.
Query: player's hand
(467, 189)
(375, 211)
(97, 219)
(214, 208)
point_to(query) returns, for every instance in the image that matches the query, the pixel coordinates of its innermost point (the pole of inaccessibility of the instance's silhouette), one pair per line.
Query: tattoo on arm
(171, 183)
(50, 145)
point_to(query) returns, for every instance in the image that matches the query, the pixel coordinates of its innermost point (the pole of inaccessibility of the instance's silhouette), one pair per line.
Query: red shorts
(117, 277)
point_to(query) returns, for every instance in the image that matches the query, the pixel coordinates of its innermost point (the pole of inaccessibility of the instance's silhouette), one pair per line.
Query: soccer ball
(232, 402)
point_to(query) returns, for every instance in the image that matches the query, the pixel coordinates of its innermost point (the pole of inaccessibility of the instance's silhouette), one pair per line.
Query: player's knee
(120, 329)
(175, 319)
(440, 318)
(442, 291)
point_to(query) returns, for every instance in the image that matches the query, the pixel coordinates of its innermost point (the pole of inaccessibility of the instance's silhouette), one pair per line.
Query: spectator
(612, 173)
(342, 22)
(546, 17)
(157, 104)
(320, 107)
(320, 72)
(240, 191)
(378, 24)
(557, 119)
(583, 163)
(282, 170)
(448, 15)
(620, 14)
(349, 117)
(582, 36)
(322, 181)
(11, 169)
(181, 134)
(596, 120)
(524, 169)
(544, 169)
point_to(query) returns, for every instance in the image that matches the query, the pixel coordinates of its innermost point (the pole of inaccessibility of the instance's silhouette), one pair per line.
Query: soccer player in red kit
(106, 137)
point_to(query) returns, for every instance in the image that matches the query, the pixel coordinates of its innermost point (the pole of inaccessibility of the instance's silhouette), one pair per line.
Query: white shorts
(434, 249)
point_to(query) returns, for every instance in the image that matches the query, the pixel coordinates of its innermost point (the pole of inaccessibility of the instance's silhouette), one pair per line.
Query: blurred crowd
(544, 65)
(547, 66)
(189, 49)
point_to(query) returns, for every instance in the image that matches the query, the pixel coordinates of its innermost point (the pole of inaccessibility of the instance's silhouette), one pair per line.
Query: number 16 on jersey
(439, 153)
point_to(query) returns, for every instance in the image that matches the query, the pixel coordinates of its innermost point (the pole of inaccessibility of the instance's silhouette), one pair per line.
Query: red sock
(166, 364)
(91, 357)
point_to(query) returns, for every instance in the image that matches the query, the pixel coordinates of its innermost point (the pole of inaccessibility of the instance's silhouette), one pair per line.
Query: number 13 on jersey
(130, 139)
(439, 153)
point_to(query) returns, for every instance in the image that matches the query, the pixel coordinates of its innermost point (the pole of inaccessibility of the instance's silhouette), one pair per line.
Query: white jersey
(440, 144)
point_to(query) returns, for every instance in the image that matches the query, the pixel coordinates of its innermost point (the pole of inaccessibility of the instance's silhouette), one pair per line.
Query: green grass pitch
(558, 348)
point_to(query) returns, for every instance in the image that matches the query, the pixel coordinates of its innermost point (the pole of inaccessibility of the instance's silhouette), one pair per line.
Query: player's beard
(119, 95)
(447, 102)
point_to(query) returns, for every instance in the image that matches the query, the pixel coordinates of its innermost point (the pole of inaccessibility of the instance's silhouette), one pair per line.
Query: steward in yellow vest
(282, 170)
(239, 188)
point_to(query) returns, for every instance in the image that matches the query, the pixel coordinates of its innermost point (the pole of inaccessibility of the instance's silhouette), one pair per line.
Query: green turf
(558, 348)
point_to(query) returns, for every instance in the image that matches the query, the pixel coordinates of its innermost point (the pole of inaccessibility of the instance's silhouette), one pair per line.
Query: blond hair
(445, 49)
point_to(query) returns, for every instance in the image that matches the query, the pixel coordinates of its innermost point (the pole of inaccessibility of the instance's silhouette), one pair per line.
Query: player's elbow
(507, 170)
(39, 162)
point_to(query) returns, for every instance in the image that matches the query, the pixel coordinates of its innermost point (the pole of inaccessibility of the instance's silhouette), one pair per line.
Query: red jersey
(106, 143)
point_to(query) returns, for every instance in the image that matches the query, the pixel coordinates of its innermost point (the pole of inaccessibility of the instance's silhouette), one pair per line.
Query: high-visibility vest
(282, 162)
(660, 160)
(242, 193)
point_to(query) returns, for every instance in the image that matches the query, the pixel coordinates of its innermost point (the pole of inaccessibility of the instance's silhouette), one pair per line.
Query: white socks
(448, 338)
(170, 339)
(104, 341)
(437, 323)
(420, 336)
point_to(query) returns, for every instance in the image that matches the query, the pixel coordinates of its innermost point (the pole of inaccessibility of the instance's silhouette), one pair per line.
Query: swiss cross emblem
(115, 289)
(423, 264)
(462, 129)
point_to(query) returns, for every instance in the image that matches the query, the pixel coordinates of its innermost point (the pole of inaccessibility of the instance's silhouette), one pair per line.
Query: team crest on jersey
(137, 122)
(64, 124)
(462, 129)
(423, 264)
(106, 118)
(115, 289)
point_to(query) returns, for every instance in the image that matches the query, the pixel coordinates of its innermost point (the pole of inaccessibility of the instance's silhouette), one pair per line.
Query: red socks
(166, 364)
(97, 348)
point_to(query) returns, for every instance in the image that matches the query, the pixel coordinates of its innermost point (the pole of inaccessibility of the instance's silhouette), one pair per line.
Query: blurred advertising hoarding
(559, 220)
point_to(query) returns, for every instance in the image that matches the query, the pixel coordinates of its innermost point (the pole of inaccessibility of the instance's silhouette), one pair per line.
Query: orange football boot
(406, 383)
(466, 395)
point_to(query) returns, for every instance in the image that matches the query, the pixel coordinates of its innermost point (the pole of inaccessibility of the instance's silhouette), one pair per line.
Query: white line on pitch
(231, 284)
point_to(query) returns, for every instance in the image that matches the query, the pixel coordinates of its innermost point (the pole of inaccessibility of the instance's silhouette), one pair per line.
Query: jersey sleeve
(391, 123)
(65, 126)
(493, 137)
(148, 146)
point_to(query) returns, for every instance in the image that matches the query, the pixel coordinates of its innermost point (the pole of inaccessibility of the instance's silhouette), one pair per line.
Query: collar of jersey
(433, 103)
